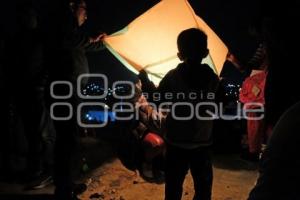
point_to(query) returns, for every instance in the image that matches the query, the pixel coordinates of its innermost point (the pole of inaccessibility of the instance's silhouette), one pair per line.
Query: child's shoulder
(170, 78)
(172, 73)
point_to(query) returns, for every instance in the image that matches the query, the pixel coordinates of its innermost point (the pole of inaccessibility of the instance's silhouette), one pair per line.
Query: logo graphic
(94, 111)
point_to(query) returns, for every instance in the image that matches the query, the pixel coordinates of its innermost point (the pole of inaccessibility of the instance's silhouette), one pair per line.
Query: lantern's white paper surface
(150, 41)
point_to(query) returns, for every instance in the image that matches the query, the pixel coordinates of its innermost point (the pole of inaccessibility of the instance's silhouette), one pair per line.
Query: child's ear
(179, 56)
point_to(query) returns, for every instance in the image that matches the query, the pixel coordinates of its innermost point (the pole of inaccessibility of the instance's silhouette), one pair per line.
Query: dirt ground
(114, 182)
(233, 180)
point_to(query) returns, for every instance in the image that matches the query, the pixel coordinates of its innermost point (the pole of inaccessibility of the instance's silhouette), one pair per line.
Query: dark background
(229, 19)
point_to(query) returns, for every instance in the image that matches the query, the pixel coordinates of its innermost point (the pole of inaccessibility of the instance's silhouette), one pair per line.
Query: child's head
(192, 45)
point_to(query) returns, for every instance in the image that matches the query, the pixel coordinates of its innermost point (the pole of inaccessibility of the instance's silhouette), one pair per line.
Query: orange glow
(149, 42)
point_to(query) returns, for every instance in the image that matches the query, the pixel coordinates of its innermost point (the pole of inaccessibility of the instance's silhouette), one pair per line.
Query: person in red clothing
(252, 91)
(149, 131)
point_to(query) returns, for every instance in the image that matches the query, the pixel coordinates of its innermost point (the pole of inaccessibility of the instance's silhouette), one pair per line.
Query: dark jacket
(279, 167)
(74, 45)
(200, 80)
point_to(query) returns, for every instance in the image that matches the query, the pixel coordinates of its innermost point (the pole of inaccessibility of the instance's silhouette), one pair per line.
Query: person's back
(188, 137)
(190, 83)
(190, 86)
(279, 170)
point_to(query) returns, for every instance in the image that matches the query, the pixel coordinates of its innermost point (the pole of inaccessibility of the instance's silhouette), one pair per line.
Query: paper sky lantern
(150, 41)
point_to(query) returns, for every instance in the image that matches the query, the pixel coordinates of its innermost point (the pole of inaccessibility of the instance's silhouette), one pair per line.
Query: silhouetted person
(24, 73)
(189, 140)
(71, 62)
(279, 169)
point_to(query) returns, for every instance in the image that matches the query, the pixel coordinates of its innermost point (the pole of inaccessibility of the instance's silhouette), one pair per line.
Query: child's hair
(192, 44)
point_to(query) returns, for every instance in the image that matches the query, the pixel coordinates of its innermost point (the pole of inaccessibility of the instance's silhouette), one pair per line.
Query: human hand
(101, 36)
(98, 38)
